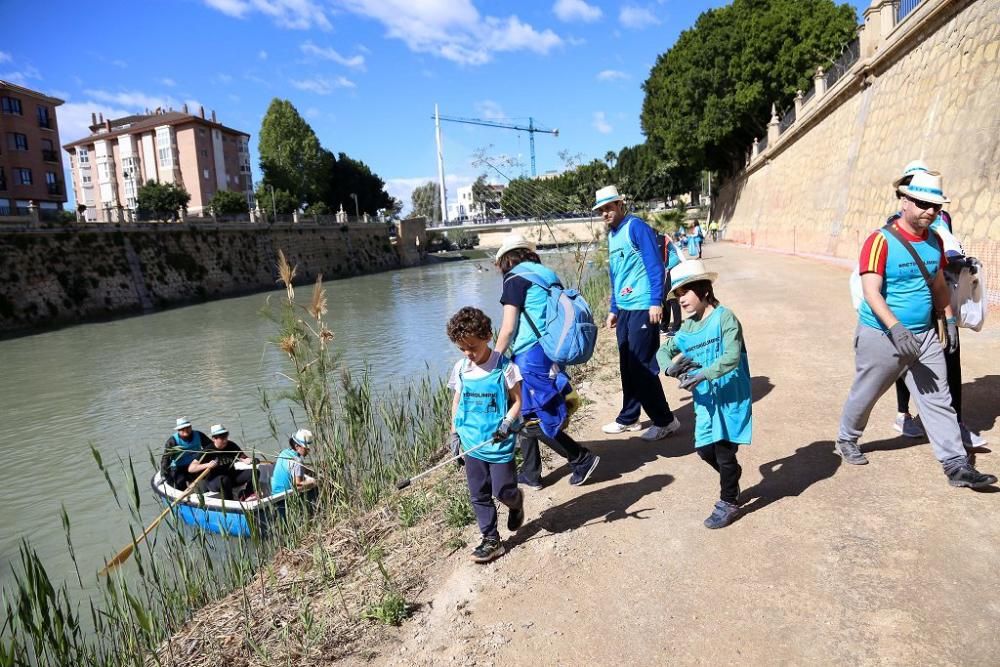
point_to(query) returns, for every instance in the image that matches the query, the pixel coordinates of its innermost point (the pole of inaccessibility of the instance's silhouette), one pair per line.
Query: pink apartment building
(121, 155)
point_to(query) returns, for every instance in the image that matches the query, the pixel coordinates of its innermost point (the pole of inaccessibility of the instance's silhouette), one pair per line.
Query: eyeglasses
(924, 205)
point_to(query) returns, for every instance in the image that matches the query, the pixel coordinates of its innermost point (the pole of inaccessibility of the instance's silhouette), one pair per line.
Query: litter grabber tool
(403, 483)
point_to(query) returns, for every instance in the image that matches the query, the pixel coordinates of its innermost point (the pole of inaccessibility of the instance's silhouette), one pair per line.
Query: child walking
(709, 357)
(485, 409)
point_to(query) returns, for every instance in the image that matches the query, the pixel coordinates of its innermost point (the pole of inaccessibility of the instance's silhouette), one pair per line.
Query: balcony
(3, 184)
(50, 156)
(54, 188)
(45, 122)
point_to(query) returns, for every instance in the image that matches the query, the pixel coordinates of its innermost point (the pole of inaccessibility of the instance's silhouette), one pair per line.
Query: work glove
(507, 426)
(689, 382)
(681, 365)
(905, 342)
(952, 333)
(455, 446)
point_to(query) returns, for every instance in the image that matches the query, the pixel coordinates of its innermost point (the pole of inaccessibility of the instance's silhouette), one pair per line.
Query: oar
(124, 554)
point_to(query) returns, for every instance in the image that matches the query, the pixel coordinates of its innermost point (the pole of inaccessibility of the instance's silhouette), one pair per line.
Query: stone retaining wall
(60, 277)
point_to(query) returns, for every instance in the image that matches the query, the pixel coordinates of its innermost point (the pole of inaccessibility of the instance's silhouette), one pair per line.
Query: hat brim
(899, 181)
(607, 201)
(504, 250)
(710, 276)
(181, 427)
(931, 197)
(218, 433)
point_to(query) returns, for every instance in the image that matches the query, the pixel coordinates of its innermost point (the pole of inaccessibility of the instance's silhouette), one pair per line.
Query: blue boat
(237, 518)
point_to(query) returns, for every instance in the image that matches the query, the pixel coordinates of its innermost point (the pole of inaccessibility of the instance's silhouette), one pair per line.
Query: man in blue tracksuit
(636, 268)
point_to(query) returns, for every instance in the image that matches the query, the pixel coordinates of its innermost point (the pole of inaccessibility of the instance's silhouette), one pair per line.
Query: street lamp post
(357, 211)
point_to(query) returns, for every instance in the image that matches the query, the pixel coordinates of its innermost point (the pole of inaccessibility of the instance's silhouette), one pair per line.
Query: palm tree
(611, 157)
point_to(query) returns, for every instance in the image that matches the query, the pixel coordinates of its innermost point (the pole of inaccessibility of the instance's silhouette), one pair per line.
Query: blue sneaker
(583, 470)
(723, 515)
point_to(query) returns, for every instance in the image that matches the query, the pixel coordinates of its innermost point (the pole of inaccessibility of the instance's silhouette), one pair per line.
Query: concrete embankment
(64, 277)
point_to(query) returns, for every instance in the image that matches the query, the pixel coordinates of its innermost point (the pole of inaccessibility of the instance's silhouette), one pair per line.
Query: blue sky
(364, 73)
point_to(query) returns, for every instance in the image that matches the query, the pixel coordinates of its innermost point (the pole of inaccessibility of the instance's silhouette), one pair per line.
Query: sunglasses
(923, 205)
(221, 435)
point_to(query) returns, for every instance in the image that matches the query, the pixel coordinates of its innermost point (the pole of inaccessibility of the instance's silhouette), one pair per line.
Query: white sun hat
(219, 429)
(913, 167)
(182, 422)
(925, 186)
(606, 195)
(303, 438)
(689, 272)
(513, 242)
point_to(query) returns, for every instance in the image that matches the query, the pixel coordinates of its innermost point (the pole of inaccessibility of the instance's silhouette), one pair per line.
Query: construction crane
(530, 128)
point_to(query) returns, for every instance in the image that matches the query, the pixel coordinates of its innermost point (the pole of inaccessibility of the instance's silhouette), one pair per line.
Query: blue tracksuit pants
(638, 341)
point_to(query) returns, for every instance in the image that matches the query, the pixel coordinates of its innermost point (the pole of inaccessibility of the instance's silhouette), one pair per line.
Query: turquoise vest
(903, 287)
(190, 451)
(534, 306)
(723, 406)
(281, 478)
(694, 244)
(628, 274)
(482, 405)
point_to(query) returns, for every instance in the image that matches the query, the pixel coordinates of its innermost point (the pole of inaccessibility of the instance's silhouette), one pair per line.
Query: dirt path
(831, 564)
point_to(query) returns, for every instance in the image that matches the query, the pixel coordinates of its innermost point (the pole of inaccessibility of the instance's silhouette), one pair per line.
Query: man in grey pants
(896, 332)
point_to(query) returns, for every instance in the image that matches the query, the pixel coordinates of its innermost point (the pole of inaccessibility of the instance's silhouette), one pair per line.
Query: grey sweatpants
(877, 367)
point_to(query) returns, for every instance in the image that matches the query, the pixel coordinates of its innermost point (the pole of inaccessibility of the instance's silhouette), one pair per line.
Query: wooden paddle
(124, 554)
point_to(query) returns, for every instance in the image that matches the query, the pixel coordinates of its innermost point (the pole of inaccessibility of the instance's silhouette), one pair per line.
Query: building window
(44, 120)
(207, 174)
(22, 176)
(3, 180)
(204, 153)
(17, 141)
(52, 182)
(201, 131)
(84, 156)
(87, 180)
(10, 105)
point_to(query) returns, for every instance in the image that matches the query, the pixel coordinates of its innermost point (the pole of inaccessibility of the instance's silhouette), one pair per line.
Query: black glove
(681, 365)
(507, 426)
(689, 382)
(905, 342)
(952, 332)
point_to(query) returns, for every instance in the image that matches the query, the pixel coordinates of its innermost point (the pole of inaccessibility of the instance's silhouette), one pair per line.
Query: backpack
(568, 334)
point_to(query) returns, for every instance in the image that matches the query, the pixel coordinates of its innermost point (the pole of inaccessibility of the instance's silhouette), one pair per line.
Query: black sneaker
(515, 517)
(851, 453)
(970, 477)
(490, 549)
(583, 470)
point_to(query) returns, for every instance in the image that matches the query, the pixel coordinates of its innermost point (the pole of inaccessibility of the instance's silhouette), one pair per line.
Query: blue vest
(190, 450)
(723, 406)
(628, 274)
(673, 257)
(694, 244)
(534, 305)
(281, 478)
(482, 405)
(903, 287)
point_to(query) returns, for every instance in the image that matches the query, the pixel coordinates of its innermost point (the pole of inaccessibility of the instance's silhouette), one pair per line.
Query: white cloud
(637, 18)
(402, 188)
(327, 53)
(453, 29)
(322, 85)
(293, 14)
(601, 123)
(23, 75)
(223, 78)
(131, 99)
(312, 112)
(490, 110)
(611, 75)
(74, 118)
(5, 57)
(576, 10)
(262, 55)
(167, 81)
(118, 62)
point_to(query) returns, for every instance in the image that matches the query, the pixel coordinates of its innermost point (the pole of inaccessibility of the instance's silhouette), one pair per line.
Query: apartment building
(30, 166)
(465, 208)
(120, 155)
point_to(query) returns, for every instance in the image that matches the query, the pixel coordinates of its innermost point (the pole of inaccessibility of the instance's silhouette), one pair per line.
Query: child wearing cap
(288, 474)
(709, 357)
(485, 410)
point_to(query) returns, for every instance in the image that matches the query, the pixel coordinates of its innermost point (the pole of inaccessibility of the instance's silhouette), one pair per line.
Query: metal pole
(531, 137)
(274, 206)
(444, 194)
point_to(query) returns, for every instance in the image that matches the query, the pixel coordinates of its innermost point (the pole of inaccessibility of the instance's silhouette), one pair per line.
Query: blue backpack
(568, 334)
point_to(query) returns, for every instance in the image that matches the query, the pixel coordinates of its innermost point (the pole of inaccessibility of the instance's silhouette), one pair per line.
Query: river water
(119, 386)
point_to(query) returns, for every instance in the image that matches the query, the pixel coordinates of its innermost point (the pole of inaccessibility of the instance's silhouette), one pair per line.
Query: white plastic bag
(857, 294)
(968, 297)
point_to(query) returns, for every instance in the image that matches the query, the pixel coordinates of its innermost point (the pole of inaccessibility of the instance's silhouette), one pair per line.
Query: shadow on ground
(981, 402)
(602, 505)
(792, 475)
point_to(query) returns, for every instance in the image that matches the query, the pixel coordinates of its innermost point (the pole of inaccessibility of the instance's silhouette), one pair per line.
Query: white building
(463, 208)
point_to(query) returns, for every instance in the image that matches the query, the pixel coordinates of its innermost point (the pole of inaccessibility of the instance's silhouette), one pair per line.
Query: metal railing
(904, 8)
(49, 155)
(54, 188)
(846, 60)
(45, 122)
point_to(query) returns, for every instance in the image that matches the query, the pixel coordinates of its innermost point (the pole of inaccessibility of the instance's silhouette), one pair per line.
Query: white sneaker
(660, 432)
(908, 426)
(615, 427)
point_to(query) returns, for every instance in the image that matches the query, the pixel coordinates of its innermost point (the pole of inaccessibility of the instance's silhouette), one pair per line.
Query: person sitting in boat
(288, 474)
(180, 450)
(220, 460)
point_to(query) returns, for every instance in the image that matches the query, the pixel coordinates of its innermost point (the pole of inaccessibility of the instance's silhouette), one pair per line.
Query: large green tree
(227, 202)
(341, 176)
(643, 174)
(426, 202)
(710, 94)
(291, 158)
(161, 200)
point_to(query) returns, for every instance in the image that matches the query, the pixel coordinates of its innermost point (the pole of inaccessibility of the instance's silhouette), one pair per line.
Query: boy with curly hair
(485, 409)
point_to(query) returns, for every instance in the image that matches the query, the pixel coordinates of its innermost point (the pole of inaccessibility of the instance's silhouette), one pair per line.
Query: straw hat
(182, 422)
(513, 242)
(925, 186)
(219, 429)
(912, 168)
(303, 438)
(689, 272)
(606, 195)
